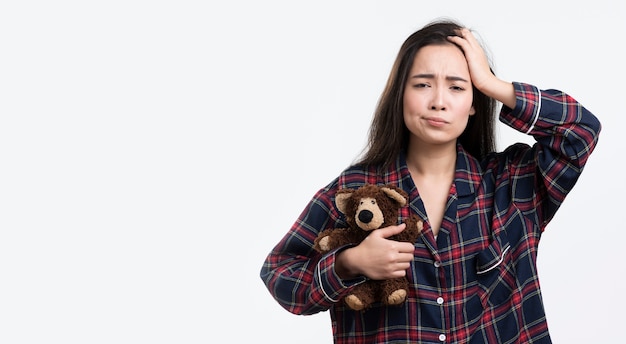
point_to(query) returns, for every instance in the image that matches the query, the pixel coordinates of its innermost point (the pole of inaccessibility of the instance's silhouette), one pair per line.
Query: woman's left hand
(480, 71)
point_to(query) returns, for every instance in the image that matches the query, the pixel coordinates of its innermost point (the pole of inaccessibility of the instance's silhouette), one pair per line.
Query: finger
(405, 257)
(398, 274)
(462, 35)
(403, 266)
(391, 230)
(468, 35)
(457, 37)
(401, 270)
(405, 248)
(458, 40)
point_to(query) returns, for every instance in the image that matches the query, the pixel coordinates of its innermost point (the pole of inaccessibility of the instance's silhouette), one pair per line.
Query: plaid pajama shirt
(476, 282)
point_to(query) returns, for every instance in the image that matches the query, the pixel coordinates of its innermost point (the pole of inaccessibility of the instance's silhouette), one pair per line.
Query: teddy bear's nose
(365, 216)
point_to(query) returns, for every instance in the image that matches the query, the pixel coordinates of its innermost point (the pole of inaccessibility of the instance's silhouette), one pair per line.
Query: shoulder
(516, 158)
(509, 155)
(495, 163)
(357, 175)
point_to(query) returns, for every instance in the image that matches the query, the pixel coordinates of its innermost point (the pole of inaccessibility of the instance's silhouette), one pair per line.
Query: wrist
(499, 90)
(343, 267)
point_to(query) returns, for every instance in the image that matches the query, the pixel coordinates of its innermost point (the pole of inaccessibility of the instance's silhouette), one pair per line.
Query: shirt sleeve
(566, 133)
(302, 280)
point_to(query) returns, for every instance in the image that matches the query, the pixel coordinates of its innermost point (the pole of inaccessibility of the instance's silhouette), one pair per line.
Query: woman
(473, 270)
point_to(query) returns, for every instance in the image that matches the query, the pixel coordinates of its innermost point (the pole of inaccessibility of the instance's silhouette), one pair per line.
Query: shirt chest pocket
(495, 272)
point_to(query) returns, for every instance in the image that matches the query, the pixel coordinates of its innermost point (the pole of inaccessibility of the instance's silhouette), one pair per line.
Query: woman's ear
(472, 111)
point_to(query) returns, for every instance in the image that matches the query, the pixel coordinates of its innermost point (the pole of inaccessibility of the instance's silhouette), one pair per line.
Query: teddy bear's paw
(354, 302)
(324, 244)
(397, 297)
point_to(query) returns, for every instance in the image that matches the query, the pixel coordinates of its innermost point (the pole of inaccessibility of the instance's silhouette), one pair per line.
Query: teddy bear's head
(371, 207)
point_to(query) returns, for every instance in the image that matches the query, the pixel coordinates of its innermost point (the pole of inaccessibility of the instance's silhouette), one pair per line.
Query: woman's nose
(438, 100)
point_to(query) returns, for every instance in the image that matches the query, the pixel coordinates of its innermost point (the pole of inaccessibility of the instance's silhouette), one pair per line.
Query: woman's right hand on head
(376, 257)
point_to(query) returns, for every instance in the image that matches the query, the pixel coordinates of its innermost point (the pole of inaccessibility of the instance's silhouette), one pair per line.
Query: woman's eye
(457, 88)
(420, 85)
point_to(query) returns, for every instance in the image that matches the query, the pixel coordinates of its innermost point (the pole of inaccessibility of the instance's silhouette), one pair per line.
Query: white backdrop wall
(153, 152)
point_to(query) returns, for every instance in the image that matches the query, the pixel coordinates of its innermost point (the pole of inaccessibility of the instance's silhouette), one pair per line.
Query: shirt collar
(468, 172)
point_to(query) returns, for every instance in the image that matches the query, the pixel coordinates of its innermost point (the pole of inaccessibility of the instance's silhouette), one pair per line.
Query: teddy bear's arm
(414, 226)
(330, 239)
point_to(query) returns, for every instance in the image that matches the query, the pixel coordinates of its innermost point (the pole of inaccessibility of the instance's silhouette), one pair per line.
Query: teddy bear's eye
(373, 201)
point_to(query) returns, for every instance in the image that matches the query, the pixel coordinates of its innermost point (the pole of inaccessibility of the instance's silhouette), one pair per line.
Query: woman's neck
(434, 162)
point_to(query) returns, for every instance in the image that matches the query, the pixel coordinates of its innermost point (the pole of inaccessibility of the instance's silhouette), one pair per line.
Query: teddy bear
(367, 208)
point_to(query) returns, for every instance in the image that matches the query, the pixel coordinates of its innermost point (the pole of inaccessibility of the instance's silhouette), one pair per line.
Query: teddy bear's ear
(341, 199)
(396, 194)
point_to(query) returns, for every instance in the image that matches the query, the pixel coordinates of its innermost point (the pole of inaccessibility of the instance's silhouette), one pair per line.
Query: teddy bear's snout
(365, 216)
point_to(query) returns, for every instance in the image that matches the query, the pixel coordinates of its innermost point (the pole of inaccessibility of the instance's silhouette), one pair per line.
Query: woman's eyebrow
(432, 76)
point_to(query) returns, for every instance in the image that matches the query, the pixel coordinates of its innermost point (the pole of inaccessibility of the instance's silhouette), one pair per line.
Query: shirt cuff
(527, 106)
(330, 283)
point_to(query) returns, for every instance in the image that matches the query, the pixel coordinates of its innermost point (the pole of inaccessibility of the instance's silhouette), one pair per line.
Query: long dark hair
(388, 135)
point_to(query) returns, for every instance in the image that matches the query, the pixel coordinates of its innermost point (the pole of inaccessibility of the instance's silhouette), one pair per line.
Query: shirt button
(437, 264)
(442, 337)
(440, 300)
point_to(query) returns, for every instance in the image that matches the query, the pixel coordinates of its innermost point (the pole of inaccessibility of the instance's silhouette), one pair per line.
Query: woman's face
(438, 95)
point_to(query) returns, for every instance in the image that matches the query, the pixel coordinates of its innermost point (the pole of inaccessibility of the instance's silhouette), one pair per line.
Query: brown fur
(383, 204)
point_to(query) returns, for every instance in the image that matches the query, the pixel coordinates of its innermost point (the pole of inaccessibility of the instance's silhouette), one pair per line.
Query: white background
(153, 152)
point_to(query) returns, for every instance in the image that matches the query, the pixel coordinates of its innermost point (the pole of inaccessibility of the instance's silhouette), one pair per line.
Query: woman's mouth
(436, 121)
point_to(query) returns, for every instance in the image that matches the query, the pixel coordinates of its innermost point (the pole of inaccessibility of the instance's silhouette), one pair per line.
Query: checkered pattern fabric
(476, 282)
